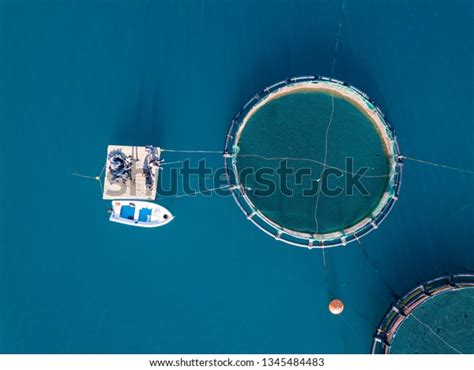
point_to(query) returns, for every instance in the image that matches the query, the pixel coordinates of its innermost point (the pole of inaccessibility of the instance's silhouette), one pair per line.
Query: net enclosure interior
(437, 317)
(312, 162)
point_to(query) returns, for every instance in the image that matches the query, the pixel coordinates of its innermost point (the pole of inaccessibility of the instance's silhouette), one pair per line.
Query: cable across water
(437, 165)
(435, 334)
(403, 157)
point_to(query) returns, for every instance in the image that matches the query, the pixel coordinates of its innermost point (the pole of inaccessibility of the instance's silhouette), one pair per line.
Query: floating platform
(131, 172)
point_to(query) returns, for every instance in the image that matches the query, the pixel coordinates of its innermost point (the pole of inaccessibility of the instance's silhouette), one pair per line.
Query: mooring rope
(168, 163)
(437, 164)
(84, 176)
(373, 266)
(324, 259)
(96, 178)
(343, 6)
(324, 165)
(333, 67)
(192, 151)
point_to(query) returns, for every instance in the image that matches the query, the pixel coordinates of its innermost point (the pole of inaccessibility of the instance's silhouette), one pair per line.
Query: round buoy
(336, 306)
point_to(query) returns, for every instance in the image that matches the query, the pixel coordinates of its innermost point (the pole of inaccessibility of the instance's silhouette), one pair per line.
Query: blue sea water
(76, 76)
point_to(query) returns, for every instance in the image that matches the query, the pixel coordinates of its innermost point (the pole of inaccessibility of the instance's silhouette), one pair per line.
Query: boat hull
(139, 214)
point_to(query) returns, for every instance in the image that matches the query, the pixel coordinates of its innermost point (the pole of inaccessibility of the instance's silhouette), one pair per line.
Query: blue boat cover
(127, 212)
(144, 215)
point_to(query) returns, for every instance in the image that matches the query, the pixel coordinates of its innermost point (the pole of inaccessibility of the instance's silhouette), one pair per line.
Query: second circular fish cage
(424, 297)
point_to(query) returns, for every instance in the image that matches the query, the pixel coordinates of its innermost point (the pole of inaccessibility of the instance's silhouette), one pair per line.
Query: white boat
(139, 213)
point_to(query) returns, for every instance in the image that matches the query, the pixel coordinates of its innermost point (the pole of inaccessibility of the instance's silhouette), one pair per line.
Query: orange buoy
(336, 306)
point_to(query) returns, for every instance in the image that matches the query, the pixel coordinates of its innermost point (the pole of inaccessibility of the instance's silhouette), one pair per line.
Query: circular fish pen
(312, 162)
(435, 317)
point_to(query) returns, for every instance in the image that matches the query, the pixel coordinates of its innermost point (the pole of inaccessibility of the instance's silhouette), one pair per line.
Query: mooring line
(326, 138)
(84, 176)
(96, 178)
(324, 162)
(434, 164)
(192, 151)
(373, 266)
(102, 171)
(324, 259)
(174, 162)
